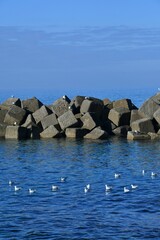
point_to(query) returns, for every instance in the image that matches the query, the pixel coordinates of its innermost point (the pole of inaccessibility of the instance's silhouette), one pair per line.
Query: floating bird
(63, 179)
(117, 175)
(31, 190)
(153, 174)
(134, 186)
(143, 172)
(17, 188)
(126, 190)
(10, 183)
(108, 188)
(55, 188)
(87, 188)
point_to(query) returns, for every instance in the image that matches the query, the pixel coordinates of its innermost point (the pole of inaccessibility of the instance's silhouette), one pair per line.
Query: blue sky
(79, 44)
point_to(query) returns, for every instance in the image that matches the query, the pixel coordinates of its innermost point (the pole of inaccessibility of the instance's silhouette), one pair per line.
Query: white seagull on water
(134, 186)
(126, 190)
(17, 188)
(117, 175)
(55, 187)
(31, 190)
(108, 188)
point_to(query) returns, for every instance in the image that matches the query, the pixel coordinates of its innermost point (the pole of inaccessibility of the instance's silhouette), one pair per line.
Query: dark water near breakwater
(69, 213)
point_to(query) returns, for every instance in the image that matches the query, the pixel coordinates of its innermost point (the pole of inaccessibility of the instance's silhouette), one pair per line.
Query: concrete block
(90, 121)
(156, 115)
(119, 116)
(16, 132)
(2, 130)
(15, 116)
(29, 122)
(76, 132)
(124, 103)
(150, 106)
(32, 104)
(67, 120)
(41, 113)
(50, 120)
(97, 133)
(132, 135)
(154, 136)
(2, 115)
(143, 125)
(76, 103)
(92, 106)
(121, 131)
(12, 101)
(61, 105)
(33, 132)
(135, 115)
(50, 132)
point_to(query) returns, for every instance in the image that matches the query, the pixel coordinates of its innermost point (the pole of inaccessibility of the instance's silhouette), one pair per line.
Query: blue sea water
(70, 213)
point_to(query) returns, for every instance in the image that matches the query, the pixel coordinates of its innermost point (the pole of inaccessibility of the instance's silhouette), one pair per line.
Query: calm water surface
(69, 213)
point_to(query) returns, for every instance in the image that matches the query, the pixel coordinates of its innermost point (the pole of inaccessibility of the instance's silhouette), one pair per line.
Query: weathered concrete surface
(154, 136)
(132, 135)
(41, 113)
(143, 125)
(29, 122)
(76, 132)
(16, 132)
(87, 117)
(31, 104)
(121, 131)
(61, 105)
(50, 132)
(124, 103)
(90, 121)
(150, 106)
(119, 116)
(15, 116)
(76, 103)
(67, 120)
(97, 133)
(2, 115)
(156, 115)
(92, 106)
(2, 130)
(12, 101)
(50, 120)
(136, 115)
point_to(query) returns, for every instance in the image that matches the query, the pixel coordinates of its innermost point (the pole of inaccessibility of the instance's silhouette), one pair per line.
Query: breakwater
(80, 117)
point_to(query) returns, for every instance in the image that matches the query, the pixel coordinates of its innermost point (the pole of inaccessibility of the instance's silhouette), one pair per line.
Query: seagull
(108, 188)
(17, 188)
(117, 175)
(153, 174)
(143, 172)
(64, 97)
(126, 190)
(63, 179)
(55, 188)
(31, 190)
(87, 188)
(134, 186)
(10, 183)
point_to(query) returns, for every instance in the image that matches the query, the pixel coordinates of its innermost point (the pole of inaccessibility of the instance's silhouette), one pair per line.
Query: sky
(79, 44)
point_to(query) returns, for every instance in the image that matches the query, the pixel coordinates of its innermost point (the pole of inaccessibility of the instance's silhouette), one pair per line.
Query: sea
(70, 212)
